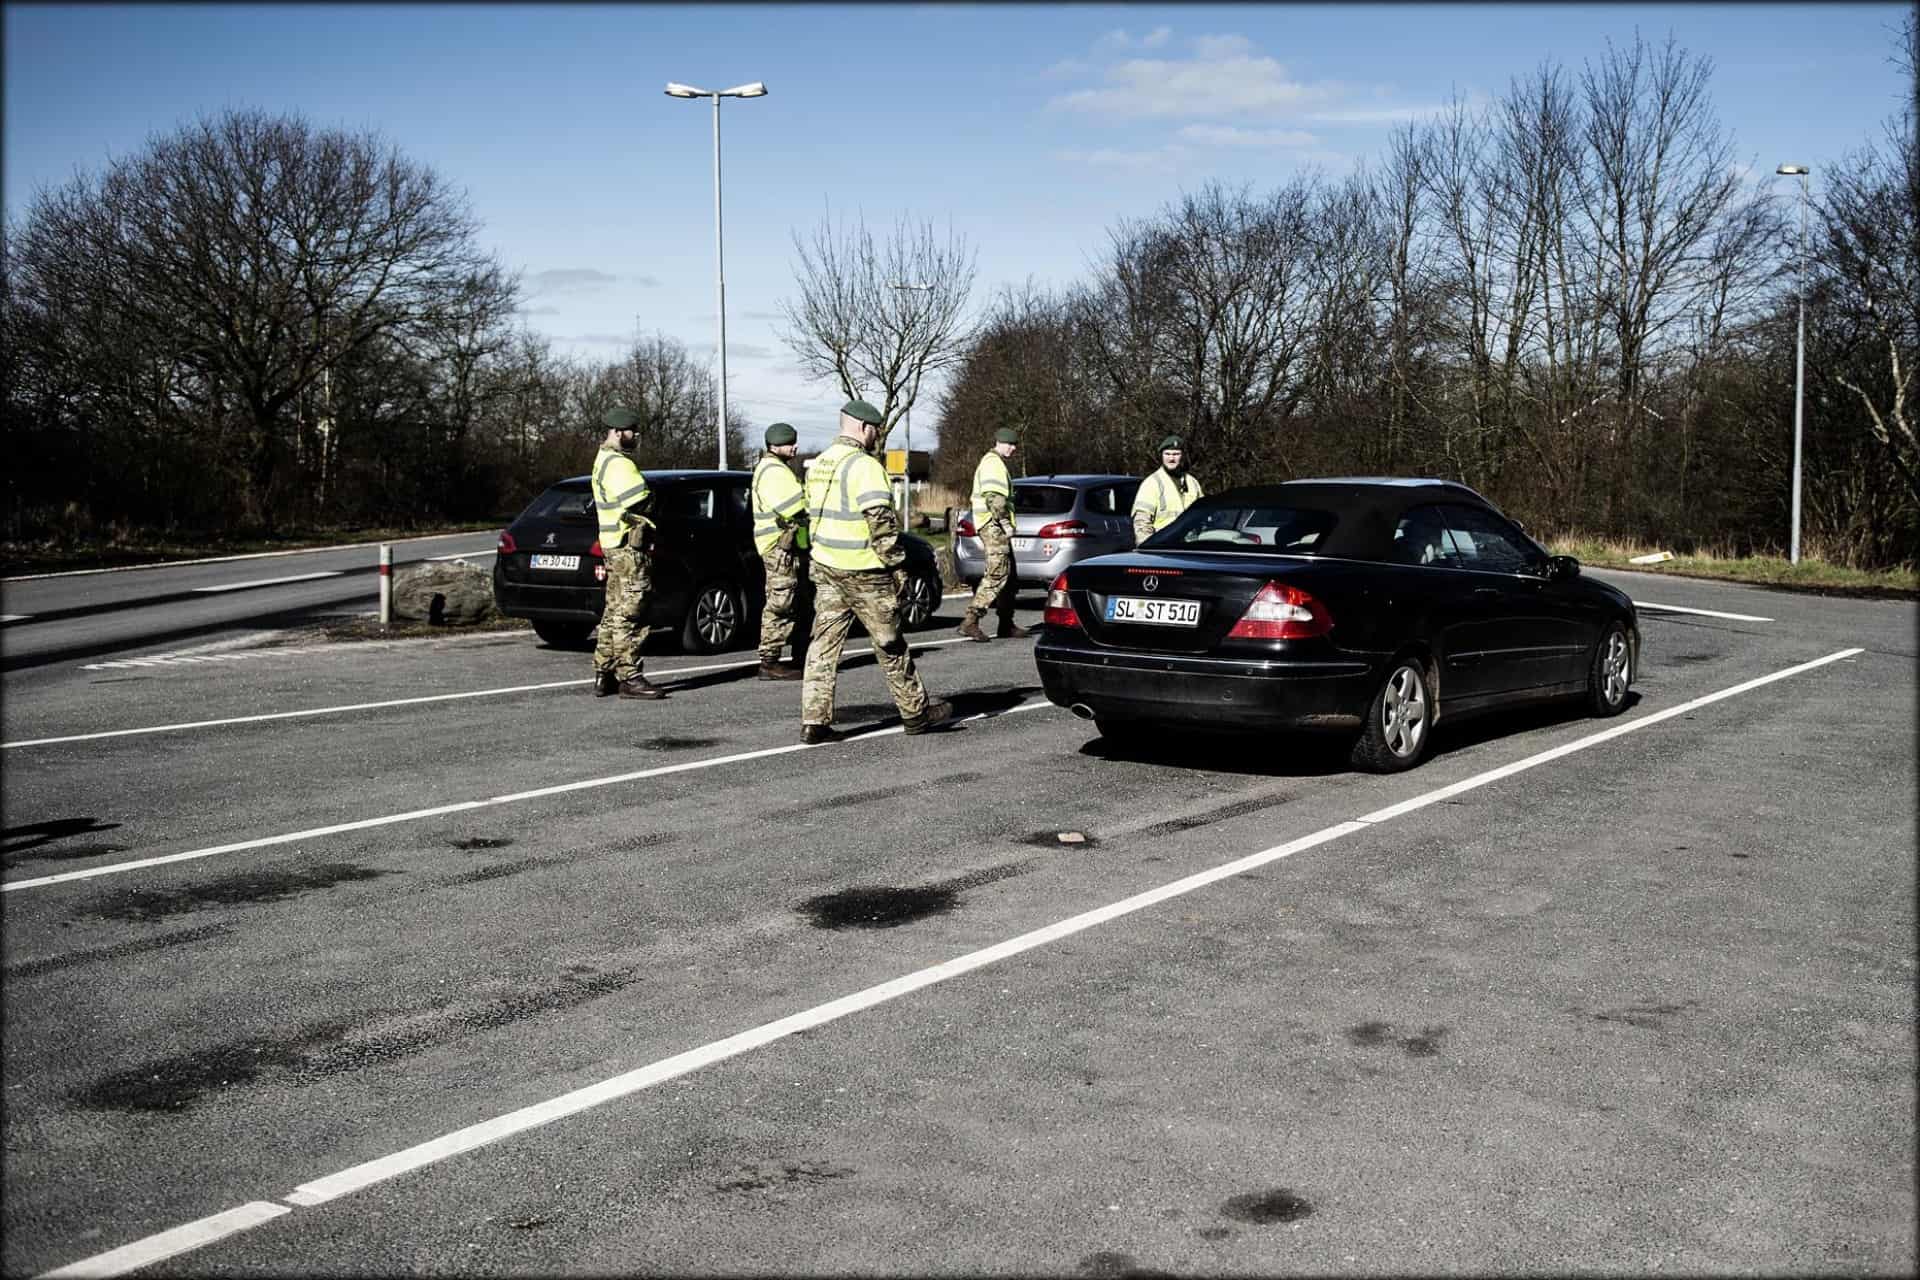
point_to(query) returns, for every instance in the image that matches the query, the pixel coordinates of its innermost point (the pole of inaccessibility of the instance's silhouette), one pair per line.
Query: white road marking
(272, 582)
(371, 706)
(461, 806)
(158, 1248)
(252, 555)
(469, 555)
(361, 1176)
(1705, 613)
(16, 617)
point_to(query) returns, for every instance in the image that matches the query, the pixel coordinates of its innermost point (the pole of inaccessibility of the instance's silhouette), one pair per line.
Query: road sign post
(386, 584)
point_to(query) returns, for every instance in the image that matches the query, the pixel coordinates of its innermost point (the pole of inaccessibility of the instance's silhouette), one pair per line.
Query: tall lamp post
(1799, 171)
(754, 90)
(906, 496)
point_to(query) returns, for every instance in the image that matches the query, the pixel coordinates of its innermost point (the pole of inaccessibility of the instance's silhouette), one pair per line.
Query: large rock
(448, 593)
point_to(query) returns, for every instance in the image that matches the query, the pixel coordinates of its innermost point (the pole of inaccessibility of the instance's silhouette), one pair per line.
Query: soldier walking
(1167, 493)
(620, 499)
(993, 518)
(859, 570)
(780, 533)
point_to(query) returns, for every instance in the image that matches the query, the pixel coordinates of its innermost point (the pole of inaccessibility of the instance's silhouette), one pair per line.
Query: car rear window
(1042, 499)
(1291, 530)
(561, 503)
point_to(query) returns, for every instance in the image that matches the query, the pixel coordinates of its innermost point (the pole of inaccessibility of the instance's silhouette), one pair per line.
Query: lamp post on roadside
(754, 90)
(906, 420)
(1799, 171)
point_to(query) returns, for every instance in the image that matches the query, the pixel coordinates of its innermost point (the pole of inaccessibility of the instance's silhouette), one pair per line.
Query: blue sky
(1030, 129)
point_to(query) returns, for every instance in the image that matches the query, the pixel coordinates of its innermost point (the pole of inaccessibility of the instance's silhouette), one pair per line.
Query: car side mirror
(1562, 567)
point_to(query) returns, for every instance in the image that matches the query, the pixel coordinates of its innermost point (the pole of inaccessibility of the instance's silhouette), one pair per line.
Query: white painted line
(272, 582)
(469, 555)
(461, 806)
(370, 706)
(360, 1176)
(15, 617)
(158, 1248)
(252, 555)
(1705, 613)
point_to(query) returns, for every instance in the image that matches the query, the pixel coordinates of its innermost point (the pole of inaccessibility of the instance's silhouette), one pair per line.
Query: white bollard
(386, 583)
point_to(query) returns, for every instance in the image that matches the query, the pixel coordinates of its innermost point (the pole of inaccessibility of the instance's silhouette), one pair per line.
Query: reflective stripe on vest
(774, 501)
(841, 484)
(1166, 503)
(618, 487)
(990, 477)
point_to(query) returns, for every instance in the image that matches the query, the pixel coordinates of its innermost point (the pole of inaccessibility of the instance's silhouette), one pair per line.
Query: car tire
(1610, 674)
(716, 619)
(1399, 720)
(563, 635)
(920, 601)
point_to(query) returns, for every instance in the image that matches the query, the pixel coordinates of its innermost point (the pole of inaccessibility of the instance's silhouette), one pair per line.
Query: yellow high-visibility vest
(991, 477)
(619, 495)
(841, 484)
(777, 499)
(1162, 500)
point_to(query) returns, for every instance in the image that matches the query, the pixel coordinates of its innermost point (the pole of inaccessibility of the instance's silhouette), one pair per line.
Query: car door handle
(1486, 591)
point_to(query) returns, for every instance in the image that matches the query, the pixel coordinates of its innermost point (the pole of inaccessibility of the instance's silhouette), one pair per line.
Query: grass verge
(17, 558)
(1810, 575)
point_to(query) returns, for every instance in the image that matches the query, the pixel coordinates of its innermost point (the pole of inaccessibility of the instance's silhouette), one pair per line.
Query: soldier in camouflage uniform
(620, 500)
(780, 535)
(993, 517)
(859, 570)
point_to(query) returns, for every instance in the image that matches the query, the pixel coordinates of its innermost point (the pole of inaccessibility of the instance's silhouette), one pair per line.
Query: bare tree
(852, 324)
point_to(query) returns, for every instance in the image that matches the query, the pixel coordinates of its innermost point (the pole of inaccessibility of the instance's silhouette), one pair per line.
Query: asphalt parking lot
(414, 956)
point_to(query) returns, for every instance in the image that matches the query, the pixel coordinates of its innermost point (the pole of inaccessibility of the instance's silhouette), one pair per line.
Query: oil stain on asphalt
(481, 842)
(888, 907)
(183, 937)
(1264, 1208)
(768, 1175)
(1108, 1263)
(670, 743)
(1369, 1035)
(498, 870)
(246, 889)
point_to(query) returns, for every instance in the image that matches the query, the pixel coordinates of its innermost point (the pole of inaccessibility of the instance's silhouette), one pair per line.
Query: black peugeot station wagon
(708, 584)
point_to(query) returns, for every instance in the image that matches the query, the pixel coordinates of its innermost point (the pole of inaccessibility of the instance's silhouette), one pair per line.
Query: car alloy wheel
(920, 600)
(1394, 735)
(1612, 673)
(714, 621)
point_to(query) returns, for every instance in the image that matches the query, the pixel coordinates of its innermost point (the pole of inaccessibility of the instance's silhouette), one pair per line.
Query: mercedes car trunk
(1179, 603)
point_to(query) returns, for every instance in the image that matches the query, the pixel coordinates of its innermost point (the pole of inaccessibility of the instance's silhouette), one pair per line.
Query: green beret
(621, 419)
(1006, 435)
(781, 433)
(1173, 442)
(863, 411)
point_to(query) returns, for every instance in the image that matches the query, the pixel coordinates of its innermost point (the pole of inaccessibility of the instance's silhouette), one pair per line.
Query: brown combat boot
(815, 734)
(640, 687)
(970, 627)
(1011, 630)
(938, 712)
(605, 684)
(778, 670)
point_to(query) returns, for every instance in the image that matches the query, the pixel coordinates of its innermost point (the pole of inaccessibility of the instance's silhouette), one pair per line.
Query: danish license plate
(538, 561)
(1023, 544)
(1154, 613)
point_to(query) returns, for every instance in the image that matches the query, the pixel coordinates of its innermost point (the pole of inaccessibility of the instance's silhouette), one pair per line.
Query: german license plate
(538, 561)
(1023, 544)
(1154, 613)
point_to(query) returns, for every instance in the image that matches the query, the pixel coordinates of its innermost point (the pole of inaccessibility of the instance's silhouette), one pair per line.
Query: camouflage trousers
(623, 626)
(996, 590)
(786, 602)
(840, 596)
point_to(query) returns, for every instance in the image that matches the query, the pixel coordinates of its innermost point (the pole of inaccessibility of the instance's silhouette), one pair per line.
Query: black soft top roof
(1368, 508)
(655, 476)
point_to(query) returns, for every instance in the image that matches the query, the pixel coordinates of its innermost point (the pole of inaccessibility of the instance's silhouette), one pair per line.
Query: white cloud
(1193, 88)
(1156, 159)
(1375, 115)
(1227, 135)
(539, 311)
(1119, 39)
(1221, 48)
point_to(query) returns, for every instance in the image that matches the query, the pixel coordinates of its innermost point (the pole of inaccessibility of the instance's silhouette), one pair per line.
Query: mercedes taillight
(1059, 608)
(1282, 612)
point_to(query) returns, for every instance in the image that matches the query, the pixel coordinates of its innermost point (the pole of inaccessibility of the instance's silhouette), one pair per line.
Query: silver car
(1057, 521)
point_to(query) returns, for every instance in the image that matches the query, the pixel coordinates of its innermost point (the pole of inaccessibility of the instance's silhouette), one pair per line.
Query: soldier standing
(859, 570)
(620, 499)
(993, 517)
(780, 533)
(1165, 494)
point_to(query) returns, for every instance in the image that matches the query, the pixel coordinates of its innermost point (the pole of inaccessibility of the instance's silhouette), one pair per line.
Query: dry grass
(120, 547)
(1811, 574)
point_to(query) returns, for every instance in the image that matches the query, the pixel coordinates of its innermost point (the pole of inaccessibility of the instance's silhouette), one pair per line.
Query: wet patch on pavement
(1425, 1044)
(184, 937)
(246, 889)
(888, 907)
(498, 870)
(1646, 1015)
(768, 1175)
(1206, 818)
(667, 742)
(1109, 1263)
(1264, 1208)
(1216, 1233)
(885, 793)
(176, 1083)
(481, 842)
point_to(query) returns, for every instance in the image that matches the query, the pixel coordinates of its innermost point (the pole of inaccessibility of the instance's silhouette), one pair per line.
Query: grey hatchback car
(1057, 521)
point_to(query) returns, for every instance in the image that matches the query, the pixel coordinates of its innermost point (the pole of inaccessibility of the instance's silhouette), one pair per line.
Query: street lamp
(1799, 171)
(754, 90)
(906, 421)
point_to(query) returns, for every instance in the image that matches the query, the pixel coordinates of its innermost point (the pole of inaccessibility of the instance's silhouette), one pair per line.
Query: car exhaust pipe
(1082, 710)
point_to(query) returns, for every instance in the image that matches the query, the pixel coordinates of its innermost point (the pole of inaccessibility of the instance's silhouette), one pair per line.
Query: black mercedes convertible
(1369, 607)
